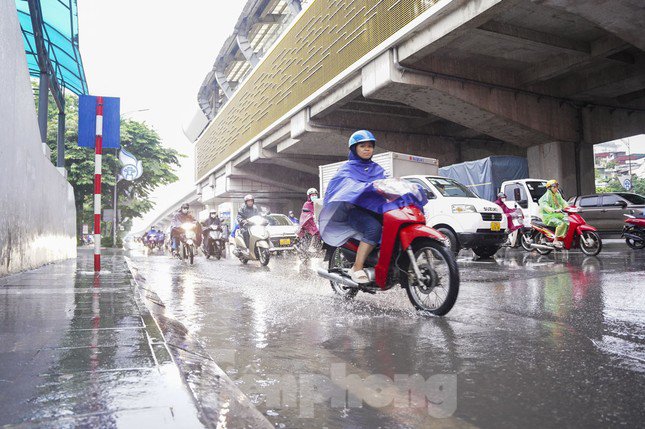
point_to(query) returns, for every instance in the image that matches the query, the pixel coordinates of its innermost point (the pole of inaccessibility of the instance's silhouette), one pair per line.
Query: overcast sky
(154, 55)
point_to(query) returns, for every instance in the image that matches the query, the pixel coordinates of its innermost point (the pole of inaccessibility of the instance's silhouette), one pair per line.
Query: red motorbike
(634, 232)
(579, 234)
(411, 254)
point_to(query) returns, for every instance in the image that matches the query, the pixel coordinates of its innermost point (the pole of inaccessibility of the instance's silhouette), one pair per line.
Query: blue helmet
(361, 136)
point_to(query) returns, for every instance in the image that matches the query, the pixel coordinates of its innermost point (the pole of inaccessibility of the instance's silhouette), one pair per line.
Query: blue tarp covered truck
(485, 176)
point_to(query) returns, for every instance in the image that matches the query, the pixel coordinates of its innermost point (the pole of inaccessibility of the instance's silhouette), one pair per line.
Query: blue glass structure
(60, 36)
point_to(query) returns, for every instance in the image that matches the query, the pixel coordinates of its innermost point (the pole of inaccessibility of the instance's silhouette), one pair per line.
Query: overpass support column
(571, 164)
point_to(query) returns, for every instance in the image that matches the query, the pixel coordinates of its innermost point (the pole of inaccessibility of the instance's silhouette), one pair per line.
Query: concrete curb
(219, 401)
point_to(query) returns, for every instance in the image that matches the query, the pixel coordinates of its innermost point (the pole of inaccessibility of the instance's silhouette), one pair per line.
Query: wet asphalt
(533, 341)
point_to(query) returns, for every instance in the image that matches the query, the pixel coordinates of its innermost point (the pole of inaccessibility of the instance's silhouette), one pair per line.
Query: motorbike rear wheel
(526, 238)
(595, 243)
(437, 293)
(336, 262)
(539, 238)
(635, 244)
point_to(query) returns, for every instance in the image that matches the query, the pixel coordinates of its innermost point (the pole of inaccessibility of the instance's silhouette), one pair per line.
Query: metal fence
(328, 38)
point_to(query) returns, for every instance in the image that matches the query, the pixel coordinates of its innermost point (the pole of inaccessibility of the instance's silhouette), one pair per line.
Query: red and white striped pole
(98, 154)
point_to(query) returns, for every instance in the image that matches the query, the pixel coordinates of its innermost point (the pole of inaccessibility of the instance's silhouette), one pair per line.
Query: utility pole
(629, 160)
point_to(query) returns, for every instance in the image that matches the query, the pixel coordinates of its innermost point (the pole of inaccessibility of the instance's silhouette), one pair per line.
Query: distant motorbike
(579, 234)
(515, 220)
(187, 239)
(411, 254)
(160, 239)
(214, 242)
(634, 232)
(259, 245)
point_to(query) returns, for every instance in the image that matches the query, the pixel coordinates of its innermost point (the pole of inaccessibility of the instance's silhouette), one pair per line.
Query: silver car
(282, 232)
(605, 211)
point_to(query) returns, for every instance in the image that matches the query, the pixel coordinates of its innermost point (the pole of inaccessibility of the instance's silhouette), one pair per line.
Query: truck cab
(524, 193)
(468, 221)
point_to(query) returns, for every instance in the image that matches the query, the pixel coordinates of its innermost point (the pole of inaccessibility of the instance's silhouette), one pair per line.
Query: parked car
(605, 211)
(282, 232)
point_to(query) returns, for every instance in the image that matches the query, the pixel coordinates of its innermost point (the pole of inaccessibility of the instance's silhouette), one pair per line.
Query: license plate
(285, 242)
(495, 226)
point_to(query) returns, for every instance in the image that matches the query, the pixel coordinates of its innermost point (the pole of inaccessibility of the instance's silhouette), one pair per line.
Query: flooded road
(533, 341)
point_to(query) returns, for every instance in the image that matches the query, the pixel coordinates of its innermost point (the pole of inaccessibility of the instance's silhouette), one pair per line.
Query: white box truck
(468, 221)
(394, 164)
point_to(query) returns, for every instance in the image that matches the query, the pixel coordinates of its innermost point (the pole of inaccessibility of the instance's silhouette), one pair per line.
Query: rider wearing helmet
(552, 207)
(213, 219)
(353, 220)
(244, 214)
(307, 222)
(182, 216)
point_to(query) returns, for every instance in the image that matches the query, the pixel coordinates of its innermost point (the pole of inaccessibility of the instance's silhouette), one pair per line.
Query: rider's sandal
(359, 276)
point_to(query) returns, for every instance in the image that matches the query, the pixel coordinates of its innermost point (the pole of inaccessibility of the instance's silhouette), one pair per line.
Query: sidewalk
(82, 350)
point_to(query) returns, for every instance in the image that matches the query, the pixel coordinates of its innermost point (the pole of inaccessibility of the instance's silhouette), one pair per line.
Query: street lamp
(117, 178)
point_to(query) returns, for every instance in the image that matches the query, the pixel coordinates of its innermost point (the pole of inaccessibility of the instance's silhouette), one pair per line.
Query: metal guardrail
(328, 38)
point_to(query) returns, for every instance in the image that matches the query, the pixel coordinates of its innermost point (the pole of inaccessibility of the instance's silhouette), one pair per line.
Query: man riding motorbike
(552, 207)
(292, 217)
(181, 217)
(149, 235)
(244, 214)
(212, 221)
(346, 212)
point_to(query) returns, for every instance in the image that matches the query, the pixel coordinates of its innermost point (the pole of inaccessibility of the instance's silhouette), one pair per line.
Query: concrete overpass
(452, 79)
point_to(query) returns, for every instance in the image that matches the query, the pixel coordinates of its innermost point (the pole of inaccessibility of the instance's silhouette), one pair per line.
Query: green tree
(138, 138)
(638, 186)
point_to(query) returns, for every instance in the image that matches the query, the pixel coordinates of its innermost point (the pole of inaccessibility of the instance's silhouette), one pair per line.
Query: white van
(468, 221)
(524, 193)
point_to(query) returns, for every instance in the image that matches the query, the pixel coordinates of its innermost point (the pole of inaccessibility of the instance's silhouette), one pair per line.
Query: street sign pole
(98, 155)
(116, 216)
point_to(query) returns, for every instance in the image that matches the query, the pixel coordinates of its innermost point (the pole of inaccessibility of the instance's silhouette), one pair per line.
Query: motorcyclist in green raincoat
(552, 207)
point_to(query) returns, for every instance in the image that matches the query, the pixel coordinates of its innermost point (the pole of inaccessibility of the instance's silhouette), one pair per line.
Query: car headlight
(463, 208)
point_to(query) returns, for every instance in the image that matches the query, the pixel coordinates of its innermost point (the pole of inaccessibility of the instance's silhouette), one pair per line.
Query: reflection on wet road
(532, 341)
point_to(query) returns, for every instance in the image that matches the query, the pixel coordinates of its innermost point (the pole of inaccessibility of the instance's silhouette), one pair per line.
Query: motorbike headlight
(463, 208)
(187, 226)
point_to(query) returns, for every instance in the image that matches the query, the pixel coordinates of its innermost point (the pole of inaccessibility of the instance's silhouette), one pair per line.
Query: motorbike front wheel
(263, 255)
(590, 243)
(437, 291)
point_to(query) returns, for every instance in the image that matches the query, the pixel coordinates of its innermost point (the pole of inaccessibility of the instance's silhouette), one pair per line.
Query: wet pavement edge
(219, 401)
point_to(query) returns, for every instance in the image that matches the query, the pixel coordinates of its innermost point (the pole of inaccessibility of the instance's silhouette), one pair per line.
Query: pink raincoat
(307, 221)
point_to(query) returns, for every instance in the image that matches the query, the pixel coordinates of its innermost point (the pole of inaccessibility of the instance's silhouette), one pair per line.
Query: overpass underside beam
(516, 117)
